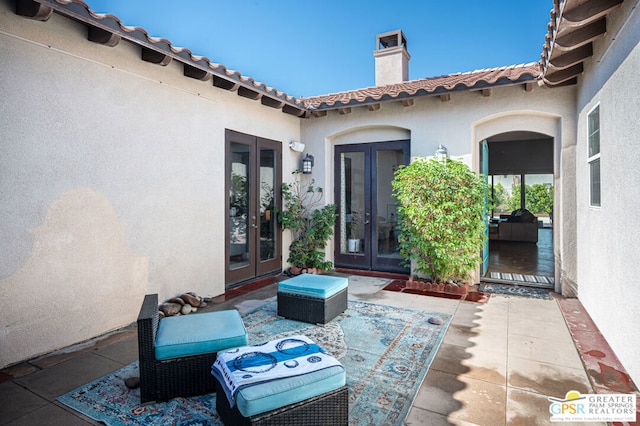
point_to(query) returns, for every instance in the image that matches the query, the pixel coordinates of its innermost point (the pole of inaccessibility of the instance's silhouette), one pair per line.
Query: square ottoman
(175, 354)
(294, 392)
(316, 299)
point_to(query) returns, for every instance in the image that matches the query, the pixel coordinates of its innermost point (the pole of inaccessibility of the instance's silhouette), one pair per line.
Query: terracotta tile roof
(79, 10)
(479, 79)
(248, 87)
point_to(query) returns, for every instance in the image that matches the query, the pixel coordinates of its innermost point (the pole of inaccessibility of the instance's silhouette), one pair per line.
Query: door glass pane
(538, 196)
(352, 202)
(239, 207)
(386, 219)
(505, 194)
(268, 224)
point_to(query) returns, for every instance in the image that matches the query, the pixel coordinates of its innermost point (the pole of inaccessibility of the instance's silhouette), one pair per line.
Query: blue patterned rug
(386, 352)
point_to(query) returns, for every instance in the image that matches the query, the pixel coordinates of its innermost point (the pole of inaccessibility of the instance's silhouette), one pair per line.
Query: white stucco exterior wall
(459, 125)
(111, 180)
(608, 257)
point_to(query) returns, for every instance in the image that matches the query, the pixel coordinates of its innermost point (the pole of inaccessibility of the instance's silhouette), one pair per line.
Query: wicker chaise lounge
(188, 371)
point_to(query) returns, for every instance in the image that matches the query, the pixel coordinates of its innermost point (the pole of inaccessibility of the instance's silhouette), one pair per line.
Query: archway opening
(520, 173)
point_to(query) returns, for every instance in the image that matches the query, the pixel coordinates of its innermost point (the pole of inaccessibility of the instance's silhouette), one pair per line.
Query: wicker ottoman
(331, 408)
(176, 353)
(316, 299)
(302, 395)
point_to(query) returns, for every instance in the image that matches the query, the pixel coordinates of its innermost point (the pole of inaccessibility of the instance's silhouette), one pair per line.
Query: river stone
(132, 382)
(170, 309)
(436, 320)
(186, 309)
(191, 299)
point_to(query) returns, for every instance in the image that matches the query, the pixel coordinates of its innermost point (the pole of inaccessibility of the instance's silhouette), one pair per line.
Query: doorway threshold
(538, 281)
(370, 273)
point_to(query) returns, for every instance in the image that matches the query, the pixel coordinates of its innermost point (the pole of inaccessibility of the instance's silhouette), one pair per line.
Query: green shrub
(311, 224)
(441, 217)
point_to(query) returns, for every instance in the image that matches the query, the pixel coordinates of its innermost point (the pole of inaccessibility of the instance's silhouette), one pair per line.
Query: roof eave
(439, 91)
(195, 66)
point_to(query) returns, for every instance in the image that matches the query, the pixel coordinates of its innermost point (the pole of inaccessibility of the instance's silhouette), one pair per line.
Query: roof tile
(428, 86)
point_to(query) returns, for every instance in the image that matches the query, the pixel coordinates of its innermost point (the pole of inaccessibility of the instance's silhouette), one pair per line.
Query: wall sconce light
(296, 146)
(441, 153)
(307, 164)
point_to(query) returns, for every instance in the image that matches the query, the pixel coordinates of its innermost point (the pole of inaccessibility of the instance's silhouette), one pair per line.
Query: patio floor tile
(546, 379)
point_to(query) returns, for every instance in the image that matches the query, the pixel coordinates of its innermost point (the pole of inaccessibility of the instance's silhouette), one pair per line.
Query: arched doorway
(520, 171)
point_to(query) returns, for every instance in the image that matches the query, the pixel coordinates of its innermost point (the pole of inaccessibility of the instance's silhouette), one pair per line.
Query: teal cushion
(319, 286)
(268, 396)
(198, 334)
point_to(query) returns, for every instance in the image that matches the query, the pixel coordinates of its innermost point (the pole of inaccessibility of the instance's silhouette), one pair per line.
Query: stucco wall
(460, 125)
(608, 257)
(111, 182)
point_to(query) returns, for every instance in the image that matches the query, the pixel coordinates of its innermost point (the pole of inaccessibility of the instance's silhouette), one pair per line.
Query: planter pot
(353, 245)
(425, 286)
(294, 270)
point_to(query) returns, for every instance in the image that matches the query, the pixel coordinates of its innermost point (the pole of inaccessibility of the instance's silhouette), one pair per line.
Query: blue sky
(308, 48)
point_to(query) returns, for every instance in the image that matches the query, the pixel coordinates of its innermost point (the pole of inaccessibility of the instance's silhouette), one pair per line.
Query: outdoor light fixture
(307, 164)
(296, 146)
(441, 153)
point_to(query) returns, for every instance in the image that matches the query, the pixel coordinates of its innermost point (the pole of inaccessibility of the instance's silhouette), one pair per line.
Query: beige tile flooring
(497, 364)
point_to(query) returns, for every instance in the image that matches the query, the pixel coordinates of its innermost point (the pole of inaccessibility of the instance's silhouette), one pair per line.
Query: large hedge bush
(441, 217)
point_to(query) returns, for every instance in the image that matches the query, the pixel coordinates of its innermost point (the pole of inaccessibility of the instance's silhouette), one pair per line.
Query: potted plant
(441, 218)
(311, 224)
(353, 242)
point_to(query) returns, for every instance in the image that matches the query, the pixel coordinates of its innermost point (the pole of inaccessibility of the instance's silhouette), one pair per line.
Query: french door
(484, 170)
(253, 177)
(366, 230)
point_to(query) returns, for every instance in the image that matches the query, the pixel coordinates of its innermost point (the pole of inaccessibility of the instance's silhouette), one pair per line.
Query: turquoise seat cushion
(318, 286)
(197, 334)
(268, 396)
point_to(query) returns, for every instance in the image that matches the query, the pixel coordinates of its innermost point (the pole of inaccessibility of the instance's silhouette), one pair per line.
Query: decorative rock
(191, 299)
(170, 309)
(436, 320)
(186, 309)
(132, 382)
(177, 300)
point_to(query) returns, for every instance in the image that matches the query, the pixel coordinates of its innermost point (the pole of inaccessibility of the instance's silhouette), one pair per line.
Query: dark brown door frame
(369, 259)
(255, 266)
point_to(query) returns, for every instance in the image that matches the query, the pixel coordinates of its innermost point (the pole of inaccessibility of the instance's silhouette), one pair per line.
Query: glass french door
(253, 178)
(366, 229)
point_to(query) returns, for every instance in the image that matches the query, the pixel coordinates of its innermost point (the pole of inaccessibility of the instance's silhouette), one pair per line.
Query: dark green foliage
(441, 212)
(311, 225)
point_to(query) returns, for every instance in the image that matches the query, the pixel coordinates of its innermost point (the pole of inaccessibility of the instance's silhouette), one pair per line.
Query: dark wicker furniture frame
(313, 310)
(161, 380)
(331, 408)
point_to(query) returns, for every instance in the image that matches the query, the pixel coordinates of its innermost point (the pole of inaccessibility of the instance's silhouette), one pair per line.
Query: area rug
(537, 293)
(529, 279)
(386, 352)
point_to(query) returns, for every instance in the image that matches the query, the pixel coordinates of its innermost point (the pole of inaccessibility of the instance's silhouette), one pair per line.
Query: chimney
(392, 58)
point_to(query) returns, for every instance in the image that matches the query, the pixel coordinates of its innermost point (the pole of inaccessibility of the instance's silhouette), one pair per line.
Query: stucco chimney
(392, 58)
